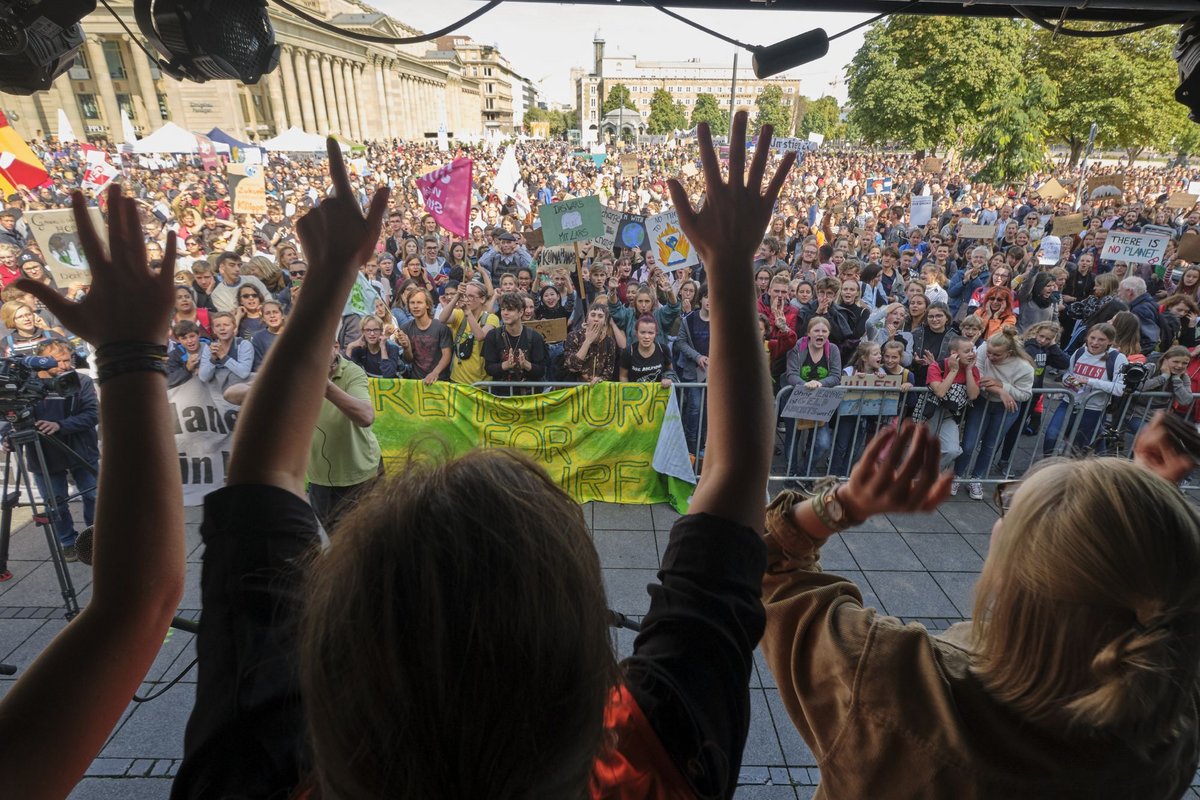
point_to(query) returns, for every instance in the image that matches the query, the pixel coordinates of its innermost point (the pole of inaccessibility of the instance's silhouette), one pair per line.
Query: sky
(544, 41)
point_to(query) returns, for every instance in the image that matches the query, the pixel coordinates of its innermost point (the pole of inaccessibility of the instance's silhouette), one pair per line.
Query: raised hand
(898, 471)
(120, 282)
(736, 211)
(335, 234)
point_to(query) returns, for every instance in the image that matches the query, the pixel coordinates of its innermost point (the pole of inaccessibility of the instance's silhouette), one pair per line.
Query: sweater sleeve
(834, 378)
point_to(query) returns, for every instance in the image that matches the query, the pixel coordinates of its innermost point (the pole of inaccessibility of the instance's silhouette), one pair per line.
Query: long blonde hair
(1008, 337)
(1088, 609)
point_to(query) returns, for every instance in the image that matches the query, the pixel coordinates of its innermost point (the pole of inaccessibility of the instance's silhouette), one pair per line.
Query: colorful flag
(446, 193)
(18, 165)
(98, 175)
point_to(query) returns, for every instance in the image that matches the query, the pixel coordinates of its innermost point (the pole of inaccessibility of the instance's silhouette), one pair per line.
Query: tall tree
(1013, 143)
(921, 80)
(708, 110)
(822, 116)
(772, 111)
(617, 97)
(665, 114)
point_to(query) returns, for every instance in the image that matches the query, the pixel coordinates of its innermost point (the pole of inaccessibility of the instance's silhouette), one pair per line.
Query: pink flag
(447, 195)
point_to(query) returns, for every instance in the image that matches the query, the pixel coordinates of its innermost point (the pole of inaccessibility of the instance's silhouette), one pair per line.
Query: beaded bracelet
(119, 351)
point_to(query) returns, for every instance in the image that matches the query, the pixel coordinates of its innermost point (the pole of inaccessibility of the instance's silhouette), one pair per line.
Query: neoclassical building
(325, 83)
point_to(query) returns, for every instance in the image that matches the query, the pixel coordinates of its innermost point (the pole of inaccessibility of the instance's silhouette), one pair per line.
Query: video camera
(21, 388)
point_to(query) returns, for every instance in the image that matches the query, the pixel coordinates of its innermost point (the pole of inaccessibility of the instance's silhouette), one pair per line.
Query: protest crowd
(1078, 676)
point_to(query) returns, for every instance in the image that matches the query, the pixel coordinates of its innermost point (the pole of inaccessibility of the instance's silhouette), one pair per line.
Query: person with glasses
(378, 356)
(193, 252)
(1078, 675)
(249, 313)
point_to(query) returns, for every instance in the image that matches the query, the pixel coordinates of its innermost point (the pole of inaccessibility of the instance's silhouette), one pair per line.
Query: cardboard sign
(879, 186)
(1067, 225)
(1182, 200)
(629, 165)
(1189, 248)
(575, 220)
(552, 330)
(972, 230)
(534, 238)
(1135, 248)
(1052, 190)
(816, 138)
(58, 237)
(932, 165)
(674, 249)
(612, 221)
(817, 405)
(1100, 187)
(556, 257)
(248, 188)
(858, 401)
(690, 170)
(921, 211)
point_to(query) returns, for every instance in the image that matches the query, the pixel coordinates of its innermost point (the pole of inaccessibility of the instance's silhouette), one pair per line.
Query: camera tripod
(27, 437)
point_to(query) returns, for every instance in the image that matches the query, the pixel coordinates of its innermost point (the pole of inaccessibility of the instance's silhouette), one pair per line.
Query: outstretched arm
(726, 232)
(272, 440)
(121, 630)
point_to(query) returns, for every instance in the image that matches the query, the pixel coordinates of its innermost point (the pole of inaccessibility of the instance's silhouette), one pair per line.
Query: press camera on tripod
(21, 389)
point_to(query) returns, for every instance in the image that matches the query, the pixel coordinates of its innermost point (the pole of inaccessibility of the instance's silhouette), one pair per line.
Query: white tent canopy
(294, 140)
(170, 138)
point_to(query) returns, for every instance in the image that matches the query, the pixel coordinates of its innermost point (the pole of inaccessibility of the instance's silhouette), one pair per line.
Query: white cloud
(544, 41)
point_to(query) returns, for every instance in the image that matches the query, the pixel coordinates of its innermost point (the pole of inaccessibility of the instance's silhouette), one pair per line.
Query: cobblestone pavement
(920, 567)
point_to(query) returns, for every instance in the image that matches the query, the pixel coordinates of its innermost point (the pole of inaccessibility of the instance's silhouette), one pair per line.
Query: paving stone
(141, 767)
(944, 551)
(154, 729)
(109, 767)
(626, 589)
(613, 517)
(925, 522)
(122, 789)
(24, 654)
(835, 557)
(980, 542)
(636, 549)
(879, 523)
(971, 517)
(663, 515)
(881, 551)
(910, 594)
(764, 792)
(762, 743)
(796, 752)
(960, 586)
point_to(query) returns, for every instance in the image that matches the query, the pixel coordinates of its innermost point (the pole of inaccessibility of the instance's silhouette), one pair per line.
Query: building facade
(325, 83)
(685, 81)
(505, 95)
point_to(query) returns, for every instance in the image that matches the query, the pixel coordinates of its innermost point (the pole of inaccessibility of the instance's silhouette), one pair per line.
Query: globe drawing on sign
(632, 236)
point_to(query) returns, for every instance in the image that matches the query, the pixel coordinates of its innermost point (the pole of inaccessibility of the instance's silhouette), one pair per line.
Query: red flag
(447, 195)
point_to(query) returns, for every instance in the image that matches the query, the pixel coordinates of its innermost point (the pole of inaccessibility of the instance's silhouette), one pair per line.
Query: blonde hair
(1108, 282)
(1094, 626)
(9, 311)
(971, 321)
(1008, 337)
(1052, 328)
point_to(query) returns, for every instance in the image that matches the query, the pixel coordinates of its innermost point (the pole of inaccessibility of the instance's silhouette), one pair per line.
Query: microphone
(191, 626)
(37, 362)
(85, 545)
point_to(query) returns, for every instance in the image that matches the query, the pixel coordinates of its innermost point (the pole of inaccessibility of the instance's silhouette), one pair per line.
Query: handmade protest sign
(1067, 225)
(552, 330)
(971, 230)
(534, 238)
(446, 192)
(632, 234)
(879, 186)
(612, 221)
(248, 187)
(629, 165)
(97, 175)
(674, 249)
(204, 423)
(787, 144)
(58, 237)
(1100, 187)
(1052, 190)
(574, 220)
(555, 257)
(1135, 248)
(932, 165)
(817, 405)
(817, 139)
(859, 401)
(1189, 247)
(1182, 200)
(921, 211)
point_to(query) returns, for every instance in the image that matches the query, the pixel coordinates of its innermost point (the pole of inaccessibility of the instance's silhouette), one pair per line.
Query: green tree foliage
(666, 115)
(708, 110)
(821, 116)
(772, 111)
(618, 96)
(921, 81)
(560, 121)
(1013, 143)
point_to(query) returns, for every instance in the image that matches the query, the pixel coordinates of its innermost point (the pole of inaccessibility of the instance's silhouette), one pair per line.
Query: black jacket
(77, 416)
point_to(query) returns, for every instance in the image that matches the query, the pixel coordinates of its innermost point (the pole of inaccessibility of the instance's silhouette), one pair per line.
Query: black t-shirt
(643, 369)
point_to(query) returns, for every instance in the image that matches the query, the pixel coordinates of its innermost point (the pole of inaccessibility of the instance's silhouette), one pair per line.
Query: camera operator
(72, 421)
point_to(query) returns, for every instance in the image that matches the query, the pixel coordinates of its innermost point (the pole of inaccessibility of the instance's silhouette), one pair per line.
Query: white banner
(1135, 248)
(203, 436)
(787, 144)
(921, 211)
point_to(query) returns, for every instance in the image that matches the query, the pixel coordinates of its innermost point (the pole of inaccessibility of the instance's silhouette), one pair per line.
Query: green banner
(597, 442)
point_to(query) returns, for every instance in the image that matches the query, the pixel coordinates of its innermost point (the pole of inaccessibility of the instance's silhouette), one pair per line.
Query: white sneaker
(954, 485)
(976, 490)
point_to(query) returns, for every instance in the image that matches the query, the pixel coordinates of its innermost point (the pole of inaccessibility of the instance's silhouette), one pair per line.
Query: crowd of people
(840, 272)
(1079, 675)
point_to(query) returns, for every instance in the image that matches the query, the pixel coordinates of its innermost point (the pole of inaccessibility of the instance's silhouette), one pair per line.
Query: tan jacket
(892, 712)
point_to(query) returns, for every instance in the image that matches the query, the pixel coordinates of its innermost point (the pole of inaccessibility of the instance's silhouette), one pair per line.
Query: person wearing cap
(9, 234)
(504, 256)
